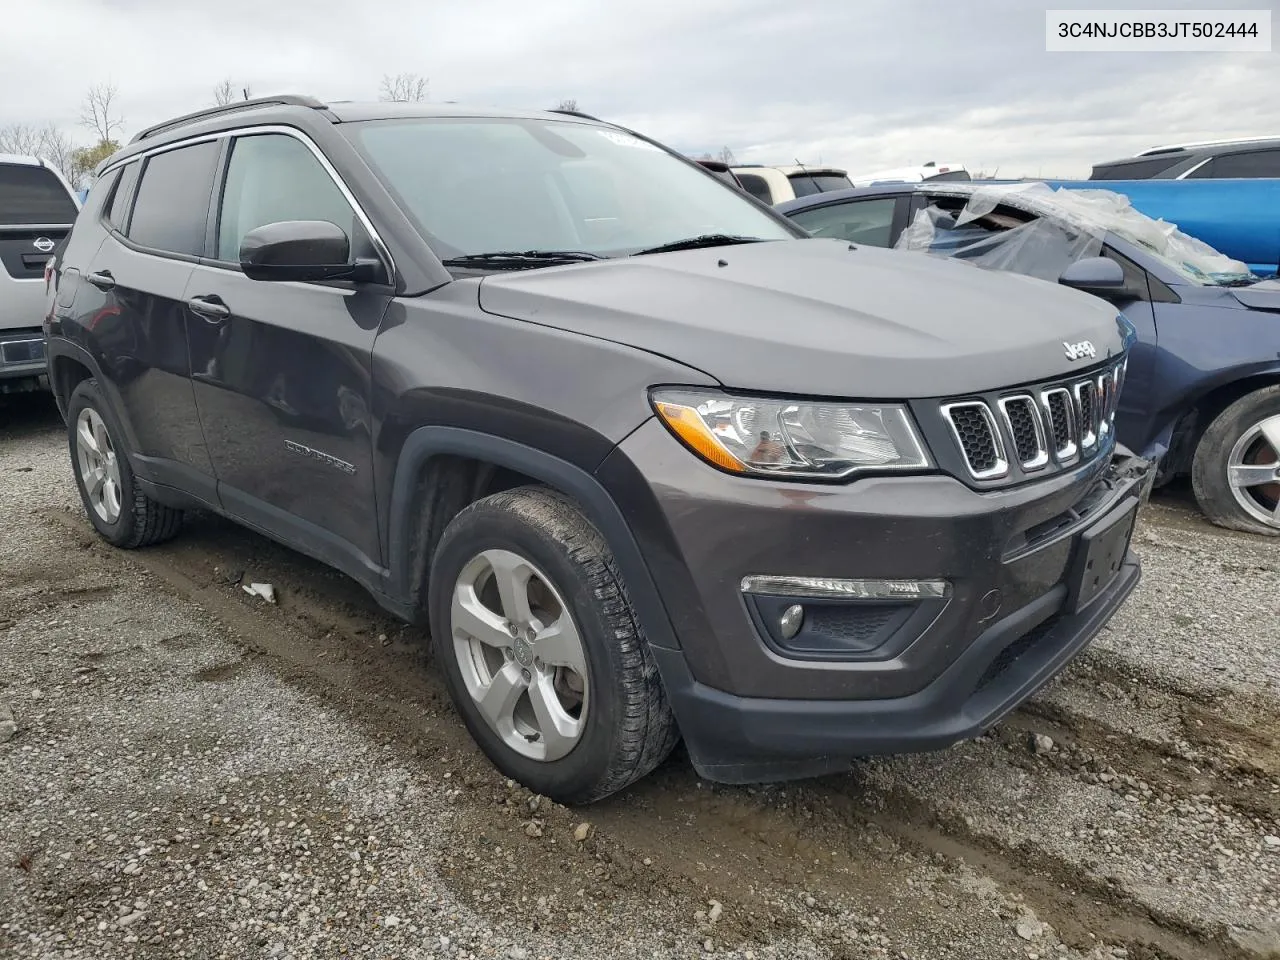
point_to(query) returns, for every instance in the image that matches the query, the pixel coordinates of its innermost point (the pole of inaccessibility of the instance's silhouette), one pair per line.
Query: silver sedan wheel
(99, 468)
(520, 654)
(1253, 470)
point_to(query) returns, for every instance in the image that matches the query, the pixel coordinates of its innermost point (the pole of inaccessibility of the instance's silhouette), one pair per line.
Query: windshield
(1033, 229)
(479, 185)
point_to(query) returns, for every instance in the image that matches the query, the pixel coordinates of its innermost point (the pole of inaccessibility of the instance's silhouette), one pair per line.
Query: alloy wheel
(99, 467)
(520, 654)
(1253, 471)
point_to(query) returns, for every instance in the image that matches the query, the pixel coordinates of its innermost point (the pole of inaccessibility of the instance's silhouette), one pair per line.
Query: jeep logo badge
(1084, 348)
(43, 244)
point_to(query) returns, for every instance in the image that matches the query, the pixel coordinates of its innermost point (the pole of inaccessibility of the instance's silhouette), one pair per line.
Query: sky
(862, 84)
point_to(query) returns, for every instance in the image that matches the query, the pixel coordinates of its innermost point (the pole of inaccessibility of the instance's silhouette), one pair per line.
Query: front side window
(860, 221)
(478, 186)
(273, 178)
(1252, 165)
(172, 208)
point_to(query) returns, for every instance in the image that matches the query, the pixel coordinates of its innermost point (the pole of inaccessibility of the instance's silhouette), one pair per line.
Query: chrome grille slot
(976, 432)
(1086, 396)
(1061, 415)
(1106, 401)
(1026, 430)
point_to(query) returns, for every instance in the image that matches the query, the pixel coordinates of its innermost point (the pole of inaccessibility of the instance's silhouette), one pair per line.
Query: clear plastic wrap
(1069, 225)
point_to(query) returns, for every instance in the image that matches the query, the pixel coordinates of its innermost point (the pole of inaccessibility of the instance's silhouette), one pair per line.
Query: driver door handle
(210, 308)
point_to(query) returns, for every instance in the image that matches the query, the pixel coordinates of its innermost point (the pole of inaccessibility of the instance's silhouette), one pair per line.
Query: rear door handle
(103, 279)
(211, 308)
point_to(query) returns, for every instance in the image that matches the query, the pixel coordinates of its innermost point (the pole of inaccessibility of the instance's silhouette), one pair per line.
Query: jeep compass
(648, 462)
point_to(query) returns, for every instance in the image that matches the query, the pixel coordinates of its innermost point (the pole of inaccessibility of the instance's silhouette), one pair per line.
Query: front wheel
(541, 649)
(1236, 471)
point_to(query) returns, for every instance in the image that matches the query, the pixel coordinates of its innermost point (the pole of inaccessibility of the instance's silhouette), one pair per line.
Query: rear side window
(122, 199)
(173, 200)
(1137, 170)
(273, 178)
(1252, 165)
(756, 185)
(33, 195)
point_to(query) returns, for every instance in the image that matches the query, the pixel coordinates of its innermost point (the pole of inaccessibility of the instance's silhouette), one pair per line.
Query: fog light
(791, 621)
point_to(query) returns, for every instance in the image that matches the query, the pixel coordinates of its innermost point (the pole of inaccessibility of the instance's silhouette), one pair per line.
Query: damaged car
(1202, 387)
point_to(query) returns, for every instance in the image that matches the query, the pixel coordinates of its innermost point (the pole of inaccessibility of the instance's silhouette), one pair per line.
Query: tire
(624, 726)
(137, 521)
(1235, 439)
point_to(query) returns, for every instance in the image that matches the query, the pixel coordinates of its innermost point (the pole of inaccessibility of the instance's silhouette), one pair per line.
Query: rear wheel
(113, 501)
(1236, 471)
(541, 650)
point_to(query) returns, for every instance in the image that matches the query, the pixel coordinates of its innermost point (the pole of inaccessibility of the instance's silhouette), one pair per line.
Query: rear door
(281, 370)
(37, 210)
(132, 314)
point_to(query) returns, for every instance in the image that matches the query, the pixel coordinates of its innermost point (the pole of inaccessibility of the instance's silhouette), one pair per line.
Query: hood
(1264, 295)
(817, 317)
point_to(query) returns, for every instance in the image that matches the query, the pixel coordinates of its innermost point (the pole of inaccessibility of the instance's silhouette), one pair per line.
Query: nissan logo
(43, 244)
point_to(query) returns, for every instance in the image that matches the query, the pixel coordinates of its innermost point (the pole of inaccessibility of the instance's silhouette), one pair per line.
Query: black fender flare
(431, 441)
(56, 347)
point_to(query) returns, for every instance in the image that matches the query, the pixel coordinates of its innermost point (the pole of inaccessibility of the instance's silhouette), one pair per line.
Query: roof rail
(277, 101)
(575, 113)
(1174, 147)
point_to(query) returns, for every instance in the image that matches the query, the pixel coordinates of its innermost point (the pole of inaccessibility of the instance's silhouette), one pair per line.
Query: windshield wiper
(694, 243)
(515, 259)
(1238, 282)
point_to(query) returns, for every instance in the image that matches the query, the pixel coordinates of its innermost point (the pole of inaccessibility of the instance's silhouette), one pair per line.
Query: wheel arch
(441, 469)
(1189, 426)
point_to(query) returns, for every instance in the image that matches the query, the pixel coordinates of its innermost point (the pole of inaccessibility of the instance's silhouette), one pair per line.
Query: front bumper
(750, 711)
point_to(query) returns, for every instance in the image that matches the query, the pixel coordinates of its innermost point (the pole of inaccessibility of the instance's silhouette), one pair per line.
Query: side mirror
(299, 250)
(1101, 276)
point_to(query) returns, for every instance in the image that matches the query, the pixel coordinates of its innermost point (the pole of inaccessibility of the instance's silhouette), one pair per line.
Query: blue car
(1202, 390)
(1240, 218)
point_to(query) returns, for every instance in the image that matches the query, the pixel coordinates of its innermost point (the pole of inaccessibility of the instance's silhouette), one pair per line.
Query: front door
(281, 370)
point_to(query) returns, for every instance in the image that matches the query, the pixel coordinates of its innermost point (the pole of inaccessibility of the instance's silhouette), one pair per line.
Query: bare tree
(47, 142)
(410, 87)
(20, 138)
(571, 105)
(224, 93)
(727, 157)
(100, 113)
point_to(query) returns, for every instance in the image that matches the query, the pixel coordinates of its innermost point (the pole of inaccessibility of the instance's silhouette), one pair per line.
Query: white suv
(37, 209)
(773, 185)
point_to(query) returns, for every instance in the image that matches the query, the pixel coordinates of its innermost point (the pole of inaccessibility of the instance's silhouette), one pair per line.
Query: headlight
(788, 439)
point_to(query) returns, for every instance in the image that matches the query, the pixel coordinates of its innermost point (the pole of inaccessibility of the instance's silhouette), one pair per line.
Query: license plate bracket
(1099, 553)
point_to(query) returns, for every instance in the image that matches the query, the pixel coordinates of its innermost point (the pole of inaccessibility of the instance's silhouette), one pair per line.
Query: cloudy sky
(864, 84)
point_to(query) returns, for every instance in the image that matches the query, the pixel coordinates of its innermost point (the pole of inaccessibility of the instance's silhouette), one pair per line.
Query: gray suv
(648, 462)
(37, 208)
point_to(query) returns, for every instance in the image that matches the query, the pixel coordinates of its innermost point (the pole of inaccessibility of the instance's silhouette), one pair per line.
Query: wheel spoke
(559, 645)
(85, 438)
(94, 480)
(559, 730)
(474, 619)
(1271, 430)
(511, 575)
(100, 433)
(1252, 474)
(111, 498)
(497, 701)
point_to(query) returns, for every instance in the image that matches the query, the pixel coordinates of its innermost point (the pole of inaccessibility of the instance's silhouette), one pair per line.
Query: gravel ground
(186, 771)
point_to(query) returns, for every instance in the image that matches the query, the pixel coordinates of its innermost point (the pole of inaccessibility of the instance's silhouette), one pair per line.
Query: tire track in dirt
(843, 837)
